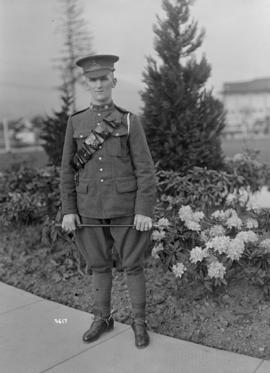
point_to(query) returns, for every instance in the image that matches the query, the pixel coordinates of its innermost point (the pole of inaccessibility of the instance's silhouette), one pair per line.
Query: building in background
(19, 133)
(247, 105)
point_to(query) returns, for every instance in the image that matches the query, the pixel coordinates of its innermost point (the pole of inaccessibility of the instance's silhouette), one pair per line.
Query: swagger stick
(105, 225)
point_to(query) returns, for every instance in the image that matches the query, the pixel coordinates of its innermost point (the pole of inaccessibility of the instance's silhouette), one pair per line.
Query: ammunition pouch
(92, 142)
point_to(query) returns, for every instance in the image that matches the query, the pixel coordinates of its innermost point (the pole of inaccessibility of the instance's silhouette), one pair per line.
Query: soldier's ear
(114, 82)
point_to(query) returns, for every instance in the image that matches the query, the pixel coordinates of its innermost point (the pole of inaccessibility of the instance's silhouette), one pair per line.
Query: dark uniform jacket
(119, 179)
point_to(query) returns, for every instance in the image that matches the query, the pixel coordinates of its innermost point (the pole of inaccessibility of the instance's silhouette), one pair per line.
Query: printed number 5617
(60, 321)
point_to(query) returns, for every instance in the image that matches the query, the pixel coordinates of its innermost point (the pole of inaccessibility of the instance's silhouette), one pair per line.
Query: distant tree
(183, 121)
(54, 128)
(77, 42)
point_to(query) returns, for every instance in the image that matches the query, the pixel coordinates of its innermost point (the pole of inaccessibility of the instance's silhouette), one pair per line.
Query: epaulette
(78, 112)
(124, 111)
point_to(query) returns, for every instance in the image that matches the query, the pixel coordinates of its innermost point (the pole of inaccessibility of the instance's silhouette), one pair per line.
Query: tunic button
(101, 180)
(81, 135)
(100, 158)
(101, 169)
(99, 114)
(99, 124)
(117, 134)
(100, 147)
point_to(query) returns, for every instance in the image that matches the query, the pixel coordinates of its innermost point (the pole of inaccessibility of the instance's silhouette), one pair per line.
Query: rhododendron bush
(212, 247)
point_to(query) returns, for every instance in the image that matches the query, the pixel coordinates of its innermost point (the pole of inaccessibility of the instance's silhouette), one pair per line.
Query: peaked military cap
(97, 64)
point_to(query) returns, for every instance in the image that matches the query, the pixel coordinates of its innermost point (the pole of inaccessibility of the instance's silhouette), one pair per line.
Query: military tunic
(119, 179)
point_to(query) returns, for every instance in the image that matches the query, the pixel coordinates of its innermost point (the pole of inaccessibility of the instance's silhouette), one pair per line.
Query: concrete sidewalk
(32, 341)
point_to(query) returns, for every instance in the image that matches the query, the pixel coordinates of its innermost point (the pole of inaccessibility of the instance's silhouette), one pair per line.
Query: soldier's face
(101, 88)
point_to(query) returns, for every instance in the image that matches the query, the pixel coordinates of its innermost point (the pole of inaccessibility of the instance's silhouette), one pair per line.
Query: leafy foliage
(207, 189)
(182, 120)
(252, 172)
(29, 195)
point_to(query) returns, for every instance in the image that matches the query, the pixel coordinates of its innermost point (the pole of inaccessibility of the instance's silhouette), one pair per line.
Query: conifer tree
(77, 43)
(54, 128)
(182, 120)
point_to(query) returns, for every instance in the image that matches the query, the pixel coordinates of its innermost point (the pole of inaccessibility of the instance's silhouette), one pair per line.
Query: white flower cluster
(178, 269)
(156, 249)
(229, 217)
(247, 236)
(158, 235)
(252, 223)
(235, 249)
(219, 215)
(217, 230)
(265, 244)
(193, 226)
(163, 222)
(190, 218)
(219, 244)
(233, 221)
(231, 199)
(197, 254)
(241, 197)
(216, 270)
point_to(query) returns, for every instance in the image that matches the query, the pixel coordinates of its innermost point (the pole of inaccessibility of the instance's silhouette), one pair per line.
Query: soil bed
(236, 319)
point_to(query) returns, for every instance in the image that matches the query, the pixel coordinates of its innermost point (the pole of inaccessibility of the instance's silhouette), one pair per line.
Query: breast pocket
(117, 143)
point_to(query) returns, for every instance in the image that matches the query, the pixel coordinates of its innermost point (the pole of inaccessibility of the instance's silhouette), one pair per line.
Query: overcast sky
(236, 45)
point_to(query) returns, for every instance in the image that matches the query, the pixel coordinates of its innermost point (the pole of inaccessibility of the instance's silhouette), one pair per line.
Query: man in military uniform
(114, 185)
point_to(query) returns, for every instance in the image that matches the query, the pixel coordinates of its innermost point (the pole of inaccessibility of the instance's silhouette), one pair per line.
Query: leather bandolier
(92, 142)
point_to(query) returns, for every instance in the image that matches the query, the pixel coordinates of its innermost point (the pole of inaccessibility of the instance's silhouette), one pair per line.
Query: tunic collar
(100, 108)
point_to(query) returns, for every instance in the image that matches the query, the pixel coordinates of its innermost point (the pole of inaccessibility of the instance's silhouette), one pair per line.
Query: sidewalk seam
(258, 367)
(82, 352)
(23, 306)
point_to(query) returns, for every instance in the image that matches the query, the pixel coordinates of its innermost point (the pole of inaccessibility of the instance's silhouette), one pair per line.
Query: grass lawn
(231, 147)
(35, 158)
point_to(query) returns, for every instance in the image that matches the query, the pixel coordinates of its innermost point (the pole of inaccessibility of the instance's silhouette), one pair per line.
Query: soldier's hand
(70, 222)
(142, 222)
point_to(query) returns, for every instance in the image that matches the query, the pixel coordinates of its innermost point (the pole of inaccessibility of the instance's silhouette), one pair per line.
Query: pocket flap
(80, 134)
(126, 184)
(82, 188)
(120, 131)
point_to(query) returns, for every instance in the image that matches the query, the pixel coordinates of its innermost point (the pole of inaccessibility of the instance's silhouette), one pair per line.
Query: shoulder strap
(124, 111)
(128, 122)
(78, 112)
(119, 108)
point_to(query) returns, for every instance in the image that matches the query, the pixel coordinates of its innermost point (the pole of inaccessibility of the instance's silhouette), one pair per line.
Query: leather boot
(99, 326)
(142, 338)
